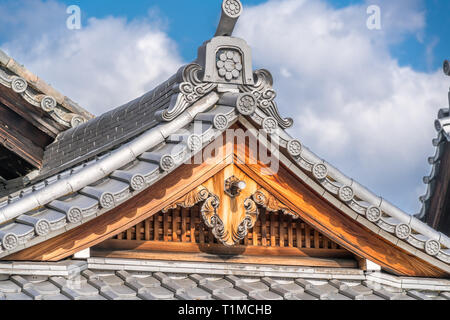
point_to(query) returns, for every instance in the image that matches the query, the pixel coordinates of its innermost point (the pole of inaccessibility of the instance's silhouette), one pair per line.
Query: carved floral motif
(232, 8)
(229, 64)
(320, 171)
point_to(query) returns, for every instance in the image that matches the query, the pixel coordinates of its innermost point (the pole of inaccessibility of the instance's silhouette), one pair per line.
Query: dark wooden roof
(436, 202)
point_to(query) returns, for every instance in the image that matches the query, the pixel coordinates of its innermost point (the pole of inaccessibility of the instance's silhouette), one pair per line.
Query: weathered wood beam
(38, 119)
(202, 257)
(213, 248)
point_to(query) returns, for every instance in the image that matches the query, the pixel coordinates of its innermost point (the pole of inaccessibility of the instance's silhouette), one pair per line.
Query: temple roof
(107, 161)
(441, 143)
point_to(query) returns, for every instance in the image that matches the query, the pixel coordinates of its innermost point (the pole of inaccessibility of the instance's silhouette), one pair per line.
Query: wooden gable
(314, 210)
(182, 231)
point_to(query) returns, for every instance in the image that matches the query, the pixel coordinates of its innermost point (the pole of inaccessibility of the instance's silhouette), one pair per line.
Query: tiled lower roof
(77, 280)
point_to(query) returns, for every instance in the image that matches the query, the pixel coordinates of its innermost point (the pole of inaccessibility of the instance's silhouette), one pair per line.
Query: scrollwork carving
(190, 90)
(268, 201)
(212, 219)
(251, 215)
(19, 85)
(190, 199)
(265, 95)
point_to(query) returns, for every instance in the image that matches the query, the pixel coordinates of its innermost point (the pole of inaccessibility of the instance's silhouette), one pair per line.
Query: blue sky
(191, 22)
(364, 100)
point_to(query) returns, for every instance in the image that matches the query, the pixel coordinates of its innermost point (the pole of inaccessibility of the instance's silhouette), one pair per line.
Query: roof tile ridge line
(120, 157)
(386, 206)
(415, 224)
(36, 82)
(347, 206)
(363, 193)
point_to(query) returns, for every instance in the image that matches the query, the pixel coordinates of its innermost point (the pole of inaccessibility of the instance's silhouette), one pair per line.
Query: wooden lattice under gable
(182, 231)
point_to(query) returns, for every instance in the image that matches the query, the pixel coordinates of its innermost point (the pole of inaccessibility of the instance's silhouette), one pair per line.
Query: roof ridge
(38, 93)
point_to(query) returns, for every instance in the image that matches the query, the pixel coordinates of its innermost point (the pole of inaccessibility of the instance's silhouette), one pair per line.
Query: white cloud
(108, 62)
(352, 103)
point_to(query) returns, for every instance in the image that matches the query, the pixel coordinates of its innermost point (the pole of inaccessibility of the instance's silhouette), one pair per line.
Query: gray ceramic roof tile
(352, 294)
(387, 295)
(85, 290)
(361, 289)
(148, 282)
(338, 296)
(446, 295)
(123, 291)
(124, 285)
(404, 297)
(112, 280)
(17, 296)
(230, 294)
(373, 297)
(124, 275)
(46, 288)
(198, 278)
(234, 280)
(120, 124)
(71, 294)
(264, 295)
(194, 294)
(56, 297)
(303, 283)
(89, 274)
(33, 293)
(109, 294)
(156, 293)
(418, 295)
(287, 290)
(215, 286)
(9, 286)
(438, 298)
(21, 282)
(302, 296)
(178, 286)
(94, 298)
(252, 287)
